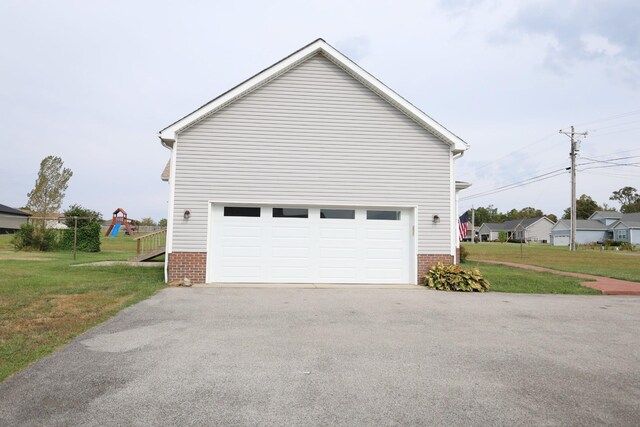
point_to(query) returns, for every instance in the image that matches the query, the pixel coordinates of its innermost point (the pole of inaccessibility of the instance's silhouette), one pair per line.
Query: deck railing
(151, 242)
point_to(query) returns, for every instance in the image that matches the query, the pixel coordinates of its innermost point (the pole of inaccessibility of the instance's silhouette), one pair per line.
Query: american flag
(463, 225)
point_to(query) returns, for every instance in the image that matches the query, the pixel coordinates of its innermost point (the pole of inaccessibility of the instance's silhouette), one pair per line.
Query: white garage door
(303, 244)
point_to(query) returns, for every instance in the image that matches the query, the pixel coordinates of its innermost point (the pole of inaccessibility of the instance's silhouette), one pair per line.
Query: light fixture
(436, 219)
(187, 213)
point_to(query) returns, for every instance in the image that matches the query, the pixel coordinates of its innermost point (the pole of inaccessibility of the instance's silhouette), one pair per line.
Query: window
(384, 215)
(290, 213)
(622, 234)
(337, 213)
(241, 211)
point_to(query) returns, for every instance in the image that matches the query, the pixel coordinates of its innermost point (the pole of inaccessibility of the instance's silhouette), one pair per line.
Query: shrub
(30, 237)
(626, 246)
(611, 242)
(453, 278)
(88, 239)
(463, 254)
(502, 236)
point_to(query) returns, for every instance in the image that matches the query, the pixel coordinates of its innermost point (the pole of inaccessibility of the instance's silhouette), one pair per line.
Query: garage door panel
(385, 254)
(290, 232)
(333, 253)
(242, 251)
(241, 231)
(311, 250)
(338, 273)
(340, 233)
(290, 272)
(290, 252)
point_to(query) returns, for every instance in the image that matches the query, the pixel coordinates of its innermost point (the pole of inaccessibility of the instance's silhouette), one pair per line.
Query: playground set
(120, 219)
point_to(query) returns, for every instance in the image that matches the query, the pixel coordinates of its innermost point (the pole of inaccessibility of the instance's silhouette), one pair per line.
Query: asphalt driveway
(349, 356)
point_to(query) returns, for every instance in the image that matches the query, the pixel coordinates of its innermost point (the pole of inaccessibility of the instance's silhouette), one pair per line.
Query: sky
(94, 82)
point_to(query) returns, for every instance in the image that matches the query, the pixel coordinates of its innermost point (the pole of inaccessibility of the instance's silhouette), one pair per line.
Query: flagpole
(473, 224)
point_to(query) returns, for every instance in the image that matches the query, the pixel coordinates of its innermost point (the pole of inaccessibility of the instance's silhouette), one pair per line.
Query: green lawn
(617, 264)
(44, 302)
(516, 280)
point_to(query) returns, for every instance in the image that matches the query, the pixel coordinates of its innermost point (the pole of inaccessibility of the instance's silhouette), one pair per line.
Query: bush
(88, 239)
(626, 246)
(30, 237)
(611, 242)
(463, 254)
(453, 278)
(502, 236)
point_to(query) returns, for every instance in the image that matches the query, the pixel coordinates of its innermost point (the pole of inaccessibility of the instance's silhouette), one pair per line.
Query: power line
(517, 184)
(614, 117)
(616, 125)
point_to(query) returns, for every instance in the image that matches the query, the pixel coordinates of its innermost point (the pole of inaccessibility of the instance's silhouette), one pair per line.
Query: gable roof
(8, 210)
(168, 134)
(607, 214)
(627, 224)
(582, 224)
(513, 223)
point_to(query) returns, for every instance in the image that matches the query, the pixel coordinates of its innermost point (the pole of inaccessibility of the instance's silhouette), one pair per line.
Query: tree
(552, 217)
(585, 207)
(488, 214)
(162, 223)
(147, 221)
(50, 187)
(628, 198)
(524, 213)
(88, 216)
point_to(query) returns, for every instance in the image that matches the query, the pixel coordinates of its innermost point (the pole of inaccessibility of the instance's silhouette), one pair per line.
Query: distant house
(528, 229)
(53, 220)
(600, 227)
(11, 219)
(627, 229)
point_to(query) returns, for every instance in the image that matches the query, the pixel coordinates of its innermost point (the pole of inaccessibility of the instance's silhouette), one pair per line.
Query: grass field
(516, 280)
(617, 264)
(44, 302)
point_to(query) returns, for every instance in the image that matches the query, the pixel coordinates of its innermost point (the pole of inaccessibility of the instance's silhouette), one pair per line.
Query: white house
(311, 171)
(530, 229)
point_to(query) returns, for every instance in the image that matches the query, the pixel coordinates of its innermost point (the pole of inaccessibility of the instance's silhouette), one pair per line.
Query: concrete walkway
(606, 285)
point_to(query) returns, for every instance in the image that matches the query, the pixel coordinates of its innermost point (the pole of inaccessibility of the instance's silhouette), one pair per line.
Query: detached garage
(312, 171)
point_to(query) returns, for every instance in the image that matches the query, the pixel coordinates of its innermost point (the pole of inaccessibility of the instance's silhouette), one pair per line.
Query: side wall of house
(11, 222)
(539, 231)
(313, 135)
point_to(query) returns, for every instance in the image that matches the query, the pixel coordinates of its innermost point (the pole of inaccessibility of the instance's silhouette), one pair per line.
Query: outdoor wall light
(436, 219)
(187, 213)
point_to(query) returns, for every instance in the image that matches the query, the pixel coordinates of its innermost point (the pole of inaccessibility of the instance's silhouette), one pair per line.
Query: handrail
(151, 241)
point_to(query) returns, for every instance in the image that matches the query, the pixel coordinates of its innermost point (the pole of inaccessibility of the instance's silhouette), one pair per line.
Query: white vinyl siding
(539, 231)
(313, 135)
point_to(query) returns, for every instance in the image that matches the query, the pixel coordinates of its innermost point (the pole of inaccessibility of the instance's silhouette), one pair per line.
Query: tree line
(627, 197)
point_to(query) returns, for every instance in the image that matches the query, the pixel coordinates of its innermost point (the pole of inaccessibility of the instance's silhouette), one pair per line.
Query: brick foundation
(192, 265)
(426, 261)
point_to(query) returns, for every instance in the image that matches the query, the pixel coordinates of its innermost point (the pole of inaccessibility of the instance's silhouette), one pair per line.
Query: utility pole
(574, 150)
